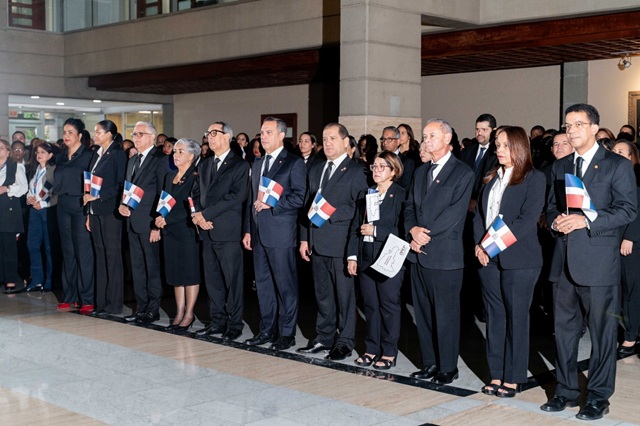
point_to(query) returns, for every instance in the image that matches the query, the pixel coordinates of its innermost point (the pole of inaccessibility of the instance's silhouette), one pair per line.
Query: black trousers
(381, 306)
(277, 286)
(507, 295)
(334, 286)
(224, 278)
(106, 234)
(436, 302)
(145, 271)
(9, 258)
(601, 305)
(631, 295)
(77, 251)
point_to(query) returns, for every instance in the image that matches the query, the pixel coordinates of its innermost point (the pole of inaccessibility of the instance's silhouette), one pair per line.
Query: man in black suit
(147, 171)
(218, 195)
(390, 141)
(272, 237)
(339, 180)
(586, 263)
(481, 155)
(435, 213)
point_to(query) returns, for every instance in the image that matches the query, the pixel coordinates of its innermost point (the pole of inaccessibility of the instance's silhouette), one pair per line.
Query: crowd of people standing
(335, 202)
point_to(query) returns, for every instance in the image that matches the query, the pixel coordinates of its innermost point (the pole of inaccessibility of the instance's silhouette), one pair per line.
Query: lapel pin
(595, 167)
(343, 169)
(437, 181)
(390, 195)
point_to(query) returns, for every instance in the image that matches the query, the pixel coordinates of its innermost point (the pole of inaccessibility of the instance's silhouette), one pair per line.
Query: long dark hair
(110, 127)
(520, 154)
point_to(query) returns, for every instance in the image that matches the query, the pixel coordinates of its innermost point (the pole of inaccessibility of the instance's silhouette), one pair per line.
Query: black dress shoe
(260, 339)
(594, 410)
(626, 350)
(148, 318)
(35, 287)
(134, 316)
(338, 353)
(210, 331)
(425, 373)
(283, 343)
(313, 348)
(231, 334)
(445, 378)
(559, 403)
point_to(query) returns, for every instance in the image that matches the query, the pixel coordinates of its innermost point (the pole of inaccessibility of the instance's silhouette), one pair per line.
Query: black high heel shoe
(36, 287)
(184, 328)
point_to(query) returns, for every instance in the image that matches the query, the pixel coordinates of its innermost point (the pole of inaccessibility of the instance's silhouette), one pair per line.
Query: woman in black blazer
(630, 252)
(13, 185)
(109, 162)
(381, 295)
(75, 240)
(514, 190)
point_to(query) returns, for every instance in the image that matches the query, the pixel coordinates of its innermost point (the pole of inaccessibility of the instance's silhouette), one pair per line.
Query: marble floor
(64, 368)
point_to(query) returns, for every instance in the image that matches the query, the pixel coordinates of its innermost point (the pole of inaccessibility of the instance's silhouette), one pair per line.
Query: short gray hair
(444, 125)
(150, 127)
(282, 126)
(393, 129)
(191, 146)
(225, 128)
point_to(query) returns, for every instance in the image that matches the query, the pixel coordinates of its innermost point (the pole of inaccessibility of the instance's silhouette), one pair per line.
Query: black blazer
(611, 184)
(149, 177)
(10, 211)
(219, 197)
(342, 190)
(520, 207)
(69, 173)
(278, 226)
(441, 209)
(407, 175)
(489, 161)
(390, 221)
(111, 169)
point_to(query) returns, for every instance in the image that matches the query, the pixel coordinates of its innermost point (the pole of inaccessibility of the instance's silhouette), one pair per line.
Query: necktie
(327, 175)
(430, 174)
(216, 162)
(479, 158)
(579, 162)
(267, 160)
(136, 165)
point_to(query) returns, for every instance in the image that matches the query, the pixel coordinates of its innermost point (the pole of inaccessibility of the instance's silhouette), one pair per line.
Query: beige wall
(241, 109)
(522, 97)
(609, 90)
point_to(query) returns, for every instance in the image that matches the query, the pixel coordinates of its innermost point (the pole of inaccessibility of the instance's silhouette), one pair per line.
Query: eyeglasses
(17, 149)
(380, 168)
(139, 134)
(213, 133)
(388, 139)
(579, 125)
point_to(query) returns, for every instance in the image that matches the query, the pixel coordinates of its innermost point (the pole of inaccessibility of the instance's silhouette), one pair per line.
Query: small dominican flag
(269, 191)
(44, 192)
(132, 194)
(499, 237)
(96, 185)
(320, 211)
(165, 204)
(87, 182)
(578, 197)
(192, 206)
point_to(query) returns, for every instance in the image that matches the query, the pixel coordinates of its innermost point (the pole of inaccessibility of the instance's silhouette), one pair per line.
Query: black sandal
(505, 392)
(386, 364)
(490, 389)
(365, 360)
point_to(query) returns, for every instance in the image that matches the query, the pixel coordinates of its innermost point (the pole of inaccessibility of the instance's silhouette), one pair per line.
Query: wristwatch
(586, 222)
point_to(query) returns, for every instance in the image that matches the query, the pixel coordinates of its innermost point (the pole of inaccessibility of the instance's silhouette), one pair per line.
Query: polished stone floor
(64, 368)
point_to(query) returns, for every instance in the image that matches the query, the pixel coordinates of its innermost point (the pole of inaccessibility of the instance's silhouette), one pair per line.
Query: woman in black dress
(180, 243)
(13, 185)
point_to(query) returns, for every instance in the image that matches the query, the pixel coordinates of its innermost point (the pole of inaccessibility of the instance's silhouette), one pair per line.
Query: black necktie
(265, 170)
(432, 168)
(579, 162)
(136, 165)
(216, 161)
(479, 158)
(327, 175)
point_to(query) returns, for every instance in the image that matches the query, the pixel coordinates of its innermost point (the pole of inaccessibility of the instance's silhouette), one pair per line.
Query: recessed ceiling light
(144, 112)
(97, 101)
(35, 97)
(59, 103)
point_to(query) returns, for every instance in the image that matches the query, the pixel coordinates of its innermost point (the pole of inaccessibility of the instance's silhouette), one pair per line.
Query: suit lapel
(148, 159)
(590, 173)
(337, 175)
(442, 176)
(277, 163)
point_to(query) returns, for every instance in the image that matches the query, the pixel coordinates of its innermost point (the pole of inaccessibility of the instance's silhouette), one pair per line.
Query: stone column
(379, 66)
